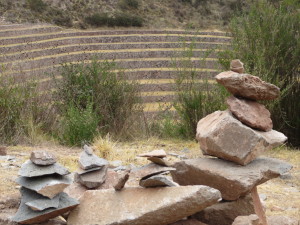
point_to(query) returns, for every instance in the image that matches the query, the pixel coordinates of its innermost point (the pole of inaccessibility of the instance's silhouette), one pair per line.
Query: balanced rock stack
(236, 137)
(93, 170)
(43, 181)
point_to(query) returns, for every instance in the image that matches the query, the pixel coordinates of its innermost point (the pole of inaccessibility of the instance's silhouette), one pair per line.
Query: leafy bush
(266, 39)
(121, 20)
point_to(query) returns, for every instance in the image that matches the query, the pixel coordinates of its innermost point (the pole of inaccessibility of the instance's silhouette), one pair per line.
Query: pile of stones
(236, 137)
(42, 182)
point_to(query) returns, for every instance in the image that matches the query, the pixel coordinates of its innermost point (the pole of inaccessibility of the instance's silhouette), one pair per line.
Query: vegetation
(266, 39)
(121, 20)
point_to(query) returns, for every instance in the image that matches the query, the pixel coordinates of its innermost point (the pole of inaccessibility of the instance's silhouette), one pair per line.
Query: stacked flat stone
(93, 170)
(236, 137)
(43, 181)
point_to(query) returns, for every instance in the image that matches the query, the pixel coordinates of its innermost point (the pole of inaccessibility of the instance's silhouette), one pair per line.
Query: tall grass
(266, 38)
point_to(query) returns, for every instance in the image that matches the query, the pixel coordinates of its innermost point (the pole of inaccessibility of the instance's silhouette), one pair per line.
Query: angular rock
(159, 161)
(42, 158)
(247, 86)
(157, 181)
(25, 215)
(225, 212)
(155, 153)
(29, 169)
(43, 203)
(81, 171)
(223, 136)
(88, 150)
(122, 179)
(188, 222)
(232, 180)
(150, 170)
(142, 206)
(247, 220)
(93, 179)
(87, 161)
(251, 113)
(48, 186)
(237, 66)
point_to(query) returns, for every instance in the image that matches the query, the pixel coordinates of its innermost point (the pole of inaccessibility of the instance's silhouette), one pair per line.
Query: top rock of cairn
(88, 160)
(42, 158)
(237, 66)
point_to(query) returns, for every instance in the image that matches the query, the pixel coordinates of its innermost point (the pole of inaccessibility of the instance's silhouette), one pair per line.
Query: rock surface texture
(42, 158)
(247, 86)
(157, 181)
(250, 113)
(237, 66)
(29, 169)
(142, 206)
(232, 180)
(150, 170)
(92, 179)
(247, 220)
(223, 136)
(89, 161)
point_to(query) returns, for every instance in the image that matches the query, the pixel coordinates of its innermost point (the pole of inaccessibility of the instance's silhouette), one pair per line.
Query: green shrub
(266, 39)
(37, 5)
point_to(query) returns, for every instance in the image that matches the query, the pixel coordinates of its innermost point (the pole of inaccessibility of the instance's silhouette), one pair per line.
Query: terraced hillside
(33, 51)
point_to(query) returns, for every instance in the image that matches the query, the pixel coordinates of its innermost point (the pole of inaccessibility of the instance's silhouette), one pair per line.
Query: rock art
(29, 169)
(93, 179)
(87, 161)
(25, 215)
(232, 180)
(223, 136)
(237, 66)
(149, 170)
(43, 203)
(141, 206)
(250, 113)
(122, 179)
(157, 181)
(247, 86)
(156, 153)
(42, 158)
(48, 186)
(225, 212)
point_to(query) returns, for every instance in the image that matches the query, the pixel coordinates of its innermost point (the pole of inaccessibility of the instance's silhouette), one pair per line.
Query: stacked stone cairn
(43, 181)
(236, 137)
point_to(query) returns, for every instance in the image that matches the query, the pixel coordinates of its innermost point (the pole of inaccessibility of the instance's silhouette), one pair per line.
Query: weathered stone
(157, 181)
(224, 213)
(251, 113)
(87, 161)
(150, 170)
(188, 222)
(258, 207)
(122, 179)
(223, 136)
(141, 206)
(237, 66)
(88, 150)
(42, 158)
(48, 186)
(282, 220)
(155, 153)
(247, 220)
(247, 86)
(25, 215)
(231, 179)
(3, 150)
(159, 161)
(81, 171)
(29, 169)
(43, 203)
(93, 179)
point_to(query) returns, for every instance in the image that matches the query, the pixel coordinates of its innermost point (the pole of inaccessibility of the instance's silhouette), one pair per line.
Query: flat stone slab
(157, 181)
(155, 153)
(43, 203)
(81, 171)
(247, 86)
(250, 113)
(29, 169)
(92, 179)
(159, 161)
(25, 215)
(150, 170)
(89, 161)
(42, 158)
(222, 135)
(232, 180)
(142, 206)
(48, 186)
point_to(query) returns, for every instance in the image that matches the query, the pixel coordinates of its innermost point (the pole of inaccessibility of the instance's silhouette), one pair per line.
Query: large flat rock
(247, 86)
(48, 186)
(29, 169)
(141, 206)
(232, 180)
(222, 135)
(43, 203)
(25, 215)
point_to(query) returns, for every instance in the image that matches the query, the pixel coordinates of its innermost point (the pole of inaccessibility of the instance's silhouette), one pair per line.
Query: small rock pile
(43, 181)
(93, 170)
(236, 137)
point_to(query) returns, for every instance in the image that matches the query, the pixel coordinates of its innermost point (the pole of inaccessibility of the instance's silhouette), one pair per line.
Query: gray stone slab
(25, 215)
(149, 170)
(158, 181)
(43, 203)
(48, 186)
(92, 179)
(29, 169)
(89, 161)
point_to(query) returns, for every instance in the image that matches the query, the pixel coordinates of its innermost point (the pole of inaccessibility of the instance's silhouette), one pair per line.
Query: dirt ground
(281, 196)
